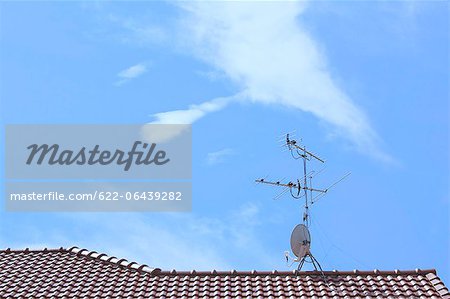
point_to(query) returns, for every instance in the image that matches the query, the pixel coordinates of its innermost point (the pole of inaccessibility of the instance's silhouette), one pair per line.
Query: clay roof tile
(75, 273)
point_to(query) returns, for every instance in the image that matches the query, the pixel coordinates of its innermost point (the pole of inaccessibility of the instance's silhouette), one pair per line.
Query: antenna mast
(300, 238)
(306, 156)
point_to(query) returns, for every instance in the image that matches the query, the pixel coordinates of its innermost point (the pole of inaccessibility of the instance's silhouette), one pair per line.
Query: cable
(292, 154)
(348, 254)
(295, 196)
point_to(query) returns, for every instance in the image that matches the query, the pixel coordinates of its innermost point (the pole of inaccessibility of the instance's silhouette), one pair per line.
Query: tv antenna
(302, 188)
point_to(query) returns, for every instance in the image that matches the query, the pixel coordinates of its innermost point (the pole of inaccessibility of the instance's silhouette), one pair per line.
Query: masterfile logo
(98, 152)
(54, 156)
(98, 167)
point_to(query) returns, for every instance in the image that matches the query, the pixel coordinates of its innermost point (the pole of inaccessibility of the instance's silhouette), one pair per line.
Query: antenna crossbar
(306, 152)
(293, 143)
(290, 185)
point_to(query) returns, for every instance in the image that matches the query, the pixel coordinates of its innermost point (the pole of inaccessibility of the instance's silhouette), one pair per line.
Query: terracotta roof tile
(79, 273)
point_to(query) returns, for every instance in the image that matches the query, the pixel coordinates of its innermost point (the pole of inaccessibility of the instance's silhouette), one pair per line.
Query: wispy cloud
(186, 117)
(131, 73)
(269, 54)
(265, 50)
(193, 113)
(219, 156)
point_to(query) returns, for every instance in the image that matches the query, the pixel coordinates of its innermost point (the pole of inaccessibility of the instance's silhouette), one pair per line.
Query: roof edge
(296, 272)
(438, 285)
(123, 263)
(143, 268)
(32, 250)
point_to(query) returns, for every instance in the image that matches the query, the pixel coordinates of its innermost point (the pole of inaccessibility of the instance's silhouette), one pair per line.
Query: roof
(79, 273)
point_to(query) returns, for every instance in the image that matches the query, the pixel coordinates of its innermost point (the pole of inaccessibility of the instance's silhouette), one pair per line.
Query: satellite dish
(300, 241)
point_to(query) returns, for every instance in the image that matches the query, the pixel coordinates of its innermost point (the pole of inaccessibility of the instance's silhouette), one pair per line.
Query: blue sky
(364, 84)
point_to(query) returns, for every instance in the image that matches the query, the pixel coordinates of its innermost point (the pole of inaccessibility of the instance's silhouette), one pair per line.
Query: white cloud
(219, 156)
(131, 73)
(194, 112)
(184, 117)
(265, 50)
